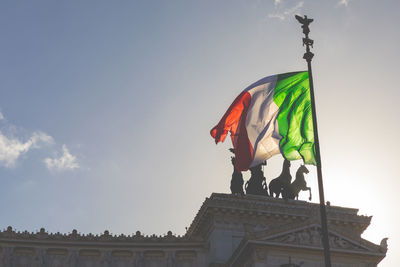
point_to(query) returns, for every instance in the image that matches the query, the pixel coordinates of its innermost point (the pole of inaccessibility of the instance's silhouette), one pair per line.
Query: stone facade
(228, 230)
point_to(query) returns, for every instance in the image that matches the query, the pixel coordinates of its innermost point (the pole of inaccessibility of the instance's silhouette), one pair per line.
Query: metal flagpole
(308, 57)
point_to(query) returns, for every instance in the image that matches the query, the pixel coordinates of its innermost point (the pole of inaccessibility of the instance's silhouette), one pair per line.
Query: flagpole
(308, 57)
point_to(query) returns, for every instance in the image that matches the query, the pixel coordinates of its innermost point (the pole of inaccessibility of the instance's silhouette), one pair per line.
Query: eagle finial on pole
(304, 23)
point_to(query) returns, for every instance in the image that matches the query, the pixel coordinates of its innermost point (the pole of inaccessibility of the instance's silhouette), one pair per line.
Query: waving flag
(269, 117)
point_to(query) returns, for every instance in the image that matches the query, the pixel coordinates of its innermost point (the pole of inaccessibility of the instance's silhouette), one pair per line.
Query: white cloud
(277, 2)
(287, 12)
(65, 162)
(11, 148)
(343, 2)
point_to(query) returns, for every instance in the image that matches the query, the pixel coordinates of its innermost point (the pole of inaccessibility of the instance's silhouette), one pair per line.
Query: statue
(237, 180)
(304, 23)
(299, 184)
(257, 184)
(277, 185)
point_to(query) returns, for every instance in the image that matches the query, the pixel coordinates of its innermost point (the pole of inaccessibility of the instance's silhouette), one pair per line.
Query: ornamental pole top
(305, 22)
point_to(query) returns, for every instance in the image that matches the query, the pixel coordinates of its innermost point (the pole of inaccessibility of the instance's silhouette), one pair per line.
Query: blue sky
(107, 106)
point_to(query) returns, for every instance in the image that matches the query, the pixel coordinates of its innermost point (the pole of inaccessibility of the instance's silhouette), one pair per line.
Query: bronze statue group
(280, 186)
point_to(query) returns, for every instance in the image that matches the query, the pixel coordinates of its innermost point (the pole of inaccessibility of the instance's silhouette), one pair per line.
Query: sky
(106, 107)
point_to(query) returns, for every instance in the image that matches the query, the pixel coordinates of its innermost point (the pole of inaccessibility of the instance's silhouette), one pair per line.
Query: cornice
(260, 208)
(106, 239)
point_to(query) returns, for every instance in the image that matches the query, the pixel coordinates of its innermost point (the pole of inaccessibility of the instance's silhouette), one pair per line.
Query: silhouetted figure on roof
(298, 185)
(277, 185)
(237, 180)
(257, 185)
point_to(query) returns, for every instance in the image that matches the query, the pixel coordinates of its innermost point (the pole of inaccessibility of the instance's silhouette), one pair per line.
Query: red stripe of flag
(234, 121)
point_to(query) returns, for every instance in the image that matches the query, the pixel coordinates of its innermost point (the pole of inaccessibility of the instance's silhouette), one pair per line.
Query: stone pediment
(310, 237)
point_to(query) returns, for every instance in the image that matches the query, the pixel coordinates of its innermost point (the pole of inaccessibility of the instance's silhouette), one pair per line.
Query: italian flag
(269, 117)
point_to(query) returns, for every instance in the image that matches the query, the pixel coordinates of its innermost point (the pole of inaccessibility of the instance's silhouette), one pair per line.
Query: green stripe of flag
(292, 96)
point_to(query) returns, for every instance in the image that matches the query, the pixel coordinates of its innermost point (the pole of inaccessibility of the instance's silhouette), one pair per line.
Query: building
(228, 230)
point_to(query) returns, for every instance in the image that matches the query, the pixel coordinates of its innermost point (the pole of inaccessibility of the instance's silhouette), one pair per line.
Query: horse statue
(257, 184)
(277, 185)
(237, 180)
(299, 184)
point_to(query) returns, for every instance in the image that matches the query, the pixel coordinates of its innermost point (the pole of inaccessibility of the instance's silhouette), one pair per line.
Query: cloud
(11, 148)
(65, 162)
(286, 12)
(343, 2)
(277, 2)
